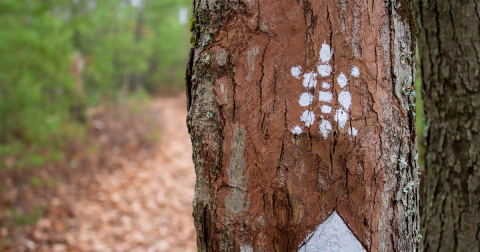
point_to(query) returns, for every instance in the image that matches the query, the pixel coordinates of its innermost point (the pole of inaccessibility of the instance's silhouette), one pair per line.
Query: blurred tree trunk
(449, 46)
(299, 111)
(138, 77)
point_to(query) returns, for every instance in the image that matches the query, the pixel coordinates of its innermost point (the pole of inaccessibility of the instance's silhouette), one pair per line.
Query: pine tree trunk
(450, 51)
(301, 114)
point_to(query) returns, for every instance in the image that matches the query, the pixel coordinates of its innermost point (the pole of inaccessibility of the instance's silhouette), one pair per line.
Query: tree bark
(301, 110)
(449, 46)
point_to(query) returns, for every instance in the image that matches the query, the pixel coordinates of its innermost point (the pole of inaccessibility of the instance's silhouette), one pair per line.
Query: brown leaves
(144, 204)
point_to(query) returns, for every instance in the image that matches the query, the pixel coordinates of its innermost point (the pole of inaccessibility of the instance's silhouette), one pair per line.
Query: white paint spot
(325, 85)
(324, 96)
(325, 128)
(325, 53)
(308, 117)
(305, 99)
(246, 248)
(297, 130)
(324, 70)
(345, 99)
(333, 235)
(326, 109)
(310, 80)
(296, 71)
(355, 72)
(341, 117)
(352, 131)
(342, 80)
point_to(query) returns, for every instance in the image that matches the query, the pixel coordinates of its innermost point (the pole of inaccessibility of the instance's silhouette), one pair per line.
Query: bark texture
(449, 46)
(272, 160)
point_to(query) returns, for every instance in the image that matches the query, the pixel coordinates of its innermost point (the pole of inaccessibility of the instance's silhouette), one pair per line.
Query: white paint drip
(305, 99)
(326, 109)
(352, 131)
(296, 71)
(325, 128)
(333, 235)
(342, 80)
(325, 96)
(325, 85)
(325, 53)
(324, 70)
(308, 117)
(341, 117)
(355, 72)
(345, 99)
(297, 130)
(310, 80)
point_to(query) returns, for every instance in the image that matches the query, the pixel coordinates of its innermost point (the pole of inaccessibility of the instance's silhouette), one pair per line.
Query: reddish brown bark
(260, 187)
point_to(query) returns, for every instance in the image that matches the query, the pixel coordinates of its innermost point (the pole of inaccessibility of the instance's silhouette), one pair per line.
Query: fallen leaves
(140, 205)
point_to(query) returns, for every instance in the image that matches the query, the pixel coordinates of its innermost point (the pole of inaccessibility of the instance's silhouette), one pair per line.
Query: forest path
(143, 206)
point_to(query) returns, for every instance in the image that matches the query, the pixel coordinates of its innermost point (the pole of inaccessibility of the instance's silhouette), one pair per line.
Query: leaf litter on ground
(125, 192)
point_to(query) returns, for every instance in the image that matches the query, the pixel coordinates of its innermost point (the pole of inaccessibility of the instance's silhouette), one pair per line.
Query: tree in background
(449, 45)
(301, 114)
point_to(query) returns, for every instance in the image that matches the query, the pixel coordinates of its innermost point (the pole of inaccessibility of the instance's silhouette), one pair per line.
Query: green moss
(192, 40)
(193, 22)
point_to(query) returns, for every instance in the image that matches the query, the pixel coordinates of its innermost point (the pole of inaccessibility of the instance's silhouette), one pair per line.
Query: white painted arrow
(332, 235)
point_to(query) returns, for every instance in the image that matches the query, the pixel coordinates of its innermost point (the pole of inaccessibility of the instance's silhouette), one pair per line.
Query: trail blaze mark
(344, 98)
(333, 235)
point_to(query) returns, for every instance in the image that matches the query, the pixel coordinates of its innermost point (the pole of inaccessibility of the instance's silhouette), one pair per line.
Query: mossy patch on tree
(193, 22)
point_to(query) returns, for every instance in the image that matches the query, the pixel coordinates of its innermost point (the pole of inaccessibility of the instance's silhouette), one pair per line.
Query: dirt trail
(143, 206)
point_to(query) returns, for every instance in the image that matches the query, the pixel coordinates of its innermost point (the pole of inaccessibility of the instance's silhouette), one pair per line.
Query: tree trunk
(450, 51)
(301, 114)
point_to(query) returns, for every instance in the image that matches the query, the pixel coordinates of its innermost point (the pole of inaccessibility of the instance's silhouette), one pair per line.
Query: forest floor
(141, 205)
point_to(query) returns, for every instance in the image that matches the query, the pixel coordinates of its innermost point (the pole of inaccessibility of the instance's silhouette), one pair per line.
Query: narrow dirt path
(144, 206)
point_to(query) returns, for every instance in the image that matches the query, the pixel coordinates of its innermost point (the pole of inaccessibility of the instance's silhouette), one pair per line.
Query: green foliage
(170, 44)
(122, 48)
(36, 91)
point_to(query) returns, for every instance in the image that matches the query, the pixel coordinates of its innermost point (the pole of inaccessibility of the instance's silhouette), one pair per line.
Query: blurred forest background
(78, 83)
(79, 80)
(61, 57)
